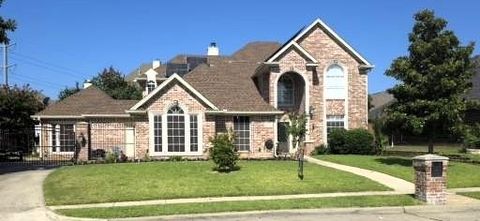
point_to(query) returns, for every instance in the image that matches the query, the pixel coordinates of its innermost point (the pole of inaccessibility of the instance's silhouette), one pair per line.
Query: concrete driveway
(21, 196)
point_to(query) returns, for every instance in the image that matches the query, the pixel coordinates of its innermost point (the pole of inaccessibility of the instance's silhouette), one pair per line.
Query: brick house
(191, 98)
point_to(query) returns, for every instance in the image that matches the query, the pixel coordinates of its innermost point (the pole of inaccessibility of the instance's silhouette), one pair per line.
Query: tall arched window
(285, 89)
(176, 129)
(335, 83)
(150, 86)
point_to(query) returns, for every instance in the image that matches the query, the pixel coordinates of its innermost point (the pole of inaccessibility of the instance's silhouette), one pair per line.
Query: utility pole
(6, 66)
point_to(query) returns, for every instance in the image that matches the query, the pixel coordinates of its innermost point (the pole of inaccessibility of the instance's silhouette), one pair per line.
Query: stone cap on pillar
(430, 157)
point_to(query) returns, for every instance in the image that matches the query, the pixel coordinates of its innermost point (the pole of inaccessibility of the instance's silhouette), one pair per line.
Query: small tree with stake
(433, 78)
(297, 130)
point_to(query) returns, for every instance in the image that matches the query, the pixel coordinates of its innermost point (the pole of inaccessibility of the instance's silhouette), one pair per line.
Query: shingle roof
(256, 51)
(229, 86)
(138, 72)
(91, 100)
(227, 82)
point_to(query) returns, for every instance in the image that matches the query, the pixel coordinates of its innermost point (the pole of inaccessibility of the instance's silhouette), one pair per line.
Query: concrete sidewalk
(398, 185)
(222, 199)
(408, 213)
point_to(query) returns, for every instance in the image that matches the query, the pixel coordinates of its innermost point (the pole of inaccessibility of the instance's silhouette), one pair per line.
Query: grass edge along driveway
(190, 179)
(475, 195)
(241, 206)
(458, 174)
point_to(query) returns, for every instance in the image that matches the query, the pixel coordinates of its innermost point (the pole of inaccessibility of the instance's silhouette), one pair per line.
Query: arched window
(150, 86)
(176, 129)
(335, 84)
(285, 94)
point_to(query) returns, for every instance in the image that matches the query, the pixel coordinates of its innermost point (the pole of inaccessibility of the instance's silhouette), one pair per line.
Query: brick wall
(335, 107)
(327, 52)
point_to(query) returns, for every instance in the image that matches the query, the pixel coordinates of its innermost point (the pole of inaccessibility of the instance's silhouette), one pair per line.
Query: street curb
(352, 210)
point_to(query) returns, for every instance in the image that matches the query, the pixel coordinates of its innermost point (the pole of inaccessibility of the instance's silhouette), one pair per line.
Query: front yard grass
(458, 174)
(475, 195)
(238, 206)
(168, 180)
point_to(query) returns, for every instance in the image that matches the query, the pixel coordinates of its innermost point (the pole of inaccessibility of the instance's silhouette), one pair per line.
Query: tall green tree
(17, 104)
(68, 91)
(433, 78)
(6, 25)
(112, 82)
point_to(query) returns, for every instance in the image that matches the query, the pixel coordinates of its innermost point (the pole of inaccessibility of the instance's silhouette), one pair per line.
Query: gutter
(226, 112)
(82, 116)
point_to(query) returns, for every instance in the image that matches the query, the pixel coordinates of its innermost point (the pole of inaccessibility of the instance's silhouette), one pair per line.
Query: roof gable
(295, 46)
(173, 78)
(320, 24)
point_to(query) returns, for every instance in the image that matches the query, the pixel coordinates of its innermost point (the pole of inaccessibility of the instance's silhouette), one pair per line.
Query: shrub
(223, 153)
(471, 137)
(111, 157)
(355, 141)
(320, 150)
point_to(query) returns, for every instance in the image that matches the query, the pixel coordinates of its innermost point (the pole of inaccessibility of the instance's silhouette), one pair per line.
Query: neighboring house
(250, 92)
(379, 101)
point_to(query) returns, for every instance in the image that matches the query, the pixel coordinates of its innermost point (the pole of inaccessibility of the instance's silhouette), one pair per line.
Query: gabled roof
(89, 101)
(176, 78)
(330, 32)
(294, 45)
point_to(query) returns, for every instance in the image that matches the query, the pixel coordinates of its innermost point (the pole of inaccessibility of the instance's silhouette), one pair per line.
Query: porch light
(311, 111)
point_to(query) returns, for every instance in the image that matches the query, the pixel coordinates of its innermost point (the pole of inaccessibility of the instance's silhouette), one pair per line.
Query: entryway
(283, 141)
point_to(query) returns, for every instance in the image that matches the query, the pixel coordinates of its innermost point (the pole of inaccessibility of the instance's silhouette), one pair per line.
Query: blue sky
(61, 42)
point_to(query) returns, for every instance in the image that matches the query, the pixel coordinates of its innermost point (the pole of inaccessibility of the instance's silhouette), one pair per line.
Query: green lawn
(167, 180)
(475, 195)
(238, 206)
(459, 174)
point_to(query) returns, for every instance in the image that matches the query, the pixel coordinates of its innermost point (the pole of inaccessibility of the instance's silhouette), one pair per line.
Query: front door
(283, 141)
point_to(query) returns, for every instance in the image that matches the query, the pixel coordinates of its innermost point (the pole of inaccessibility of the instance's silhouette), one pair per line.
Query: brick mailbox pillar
(431, 178)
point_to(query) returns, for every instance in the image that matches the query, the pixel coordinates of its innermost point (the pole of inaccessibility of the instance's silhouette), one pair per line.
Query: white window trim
(347, 96)
(165, 151)
(57, 136)
(345, 82)
(148, 83)
(250, 139)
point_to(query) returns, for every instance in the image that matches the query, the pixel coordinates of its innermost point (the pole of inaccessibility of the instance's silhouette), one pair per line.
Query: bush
(355, 141)
(223, 153)
(320, 150)
(111, 157)
(471, 137)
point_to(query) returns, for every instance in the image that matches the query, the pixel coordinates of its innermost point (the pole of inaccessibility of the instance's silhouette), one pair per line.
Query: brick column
(82, 136)
(431, 178)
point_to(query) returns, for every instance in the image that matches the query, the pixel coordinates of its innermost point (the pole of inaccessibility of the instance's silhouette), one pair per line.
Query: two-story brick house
(251, 91)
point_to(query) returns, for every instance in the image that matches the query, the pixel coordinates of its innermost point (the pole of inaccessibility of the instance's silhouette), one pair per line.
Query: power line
(37, 81)
(46, 63)
(47, 68)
